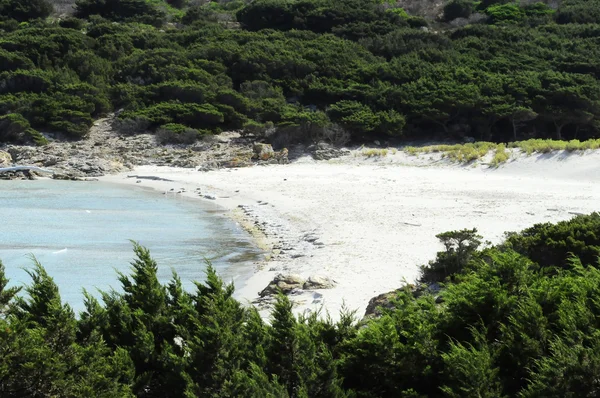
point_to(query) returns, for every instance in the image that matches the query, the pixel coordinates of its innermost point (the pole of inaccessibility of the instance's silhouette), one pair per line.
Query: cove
(81, 231)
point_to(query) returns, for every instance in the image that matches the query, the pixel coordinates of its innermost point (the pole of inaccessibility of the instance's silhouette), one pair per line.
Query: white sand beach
(369, 223)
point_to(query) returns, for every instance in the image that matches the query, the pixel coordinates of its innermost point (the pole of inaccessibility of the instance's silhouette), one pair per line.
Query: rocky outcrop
(284, 283)
(386, 300)
(104, 151)
(5, 159)
(318, 282)
(382, 301)
(325, 151)
(263, 151)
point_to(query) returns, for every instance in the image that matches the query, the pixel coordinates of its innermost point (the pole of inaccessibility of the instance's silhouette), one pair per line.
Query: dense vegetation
(519, 319)
(299, 68)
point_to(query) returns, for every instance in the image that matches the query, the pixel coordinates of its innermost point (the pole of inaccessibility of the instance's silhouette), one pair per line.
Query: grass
(463, 153)
(501, 155)
(466, 153)
(370, 153)
(546, 146)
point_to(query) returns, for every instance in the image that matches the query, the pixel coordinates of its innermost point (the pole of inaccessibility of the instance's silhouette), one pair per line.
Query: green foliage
(361, 120)
(367, 65)
(458, 9)
(505, 13)
(139, 11)
(25, 10)
(578, 11)
(344, 18)
(498, 328)
(551, 245)
(15, 128)
(460, 247)
(173, 133)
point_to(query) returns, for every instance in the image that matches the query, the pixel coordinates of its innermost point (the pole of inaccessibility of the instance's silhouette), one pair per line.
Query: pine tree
(215, 339)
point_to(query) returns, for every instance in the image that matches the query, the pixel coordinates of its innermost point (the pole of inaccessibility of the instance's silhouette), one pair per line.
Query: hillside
(301, 71)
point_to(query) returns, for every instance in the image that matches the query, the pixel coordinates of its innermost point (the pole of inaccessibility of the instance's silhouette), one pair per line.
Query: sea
(82, 233)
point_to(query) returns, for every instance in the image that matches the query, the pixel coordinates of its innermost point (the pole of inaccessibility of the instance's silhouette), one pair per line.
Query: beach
(368, 223)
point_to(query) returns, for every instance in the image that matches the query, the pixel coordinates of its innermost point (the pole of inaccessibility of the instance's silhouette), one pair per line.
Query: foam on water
(81, 232)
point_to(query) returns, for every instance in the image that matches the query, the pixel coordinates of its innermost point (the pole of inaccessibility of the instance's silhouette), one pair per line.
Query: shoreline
(369, 223)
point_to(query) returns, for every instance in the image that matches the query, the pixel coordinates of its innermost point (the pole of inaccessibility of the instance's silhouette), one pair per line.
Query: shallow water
(81, 231)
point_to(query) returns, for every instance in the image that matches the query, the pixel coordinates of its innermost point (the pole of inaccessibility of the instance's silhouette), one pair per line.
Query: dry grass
(546, 146)
(370, 153)
(465, 153)
(500, 156)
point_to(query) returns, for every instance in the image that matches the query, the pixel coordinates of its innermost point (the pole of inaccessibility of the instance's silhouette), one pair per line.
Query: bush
(72, 23)
(139, 11)
(173, 133)
(461, 246)
(501, 155)
(25, 10)
(131, 124)
(13, 128)
(10, 61)
(505, 13)
(551, 245)
(458, 9)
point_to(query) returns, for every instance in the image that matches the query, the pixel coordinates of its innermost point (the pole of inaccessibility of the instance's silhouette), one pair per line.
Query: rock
(283, 283)
(384, 300)
(66, 176)
(282, 156)
(263, 151)
(5, 159)
(324, 151)
(318, 282)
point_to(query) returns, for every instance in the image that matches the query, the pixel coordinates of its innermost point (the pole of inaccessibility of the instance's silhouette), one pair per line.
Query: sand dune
(375, 220)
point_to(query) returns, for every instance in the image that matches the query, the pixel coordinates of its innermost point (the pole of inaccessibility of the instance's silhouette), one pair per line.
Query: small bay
(81, 231)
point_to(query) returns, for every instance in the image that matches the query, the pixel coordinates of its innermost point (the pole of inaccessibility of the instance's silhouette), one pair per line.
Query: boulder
(324, 151)
(284, 283)
(384, 300)
(5, 159)
(319, 282)
(263, 151)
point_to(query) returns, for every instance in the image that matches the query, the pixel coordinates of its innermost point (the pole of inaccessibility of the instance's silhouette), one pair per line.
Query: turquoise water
(81, 231)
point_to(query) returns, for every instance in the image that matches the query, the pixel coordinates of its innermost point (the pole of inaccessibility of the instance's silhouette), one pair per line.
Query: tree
(458, 9)
(6, 294)
(518, 116)
(25, 10)
(460, 247)
(121, 11)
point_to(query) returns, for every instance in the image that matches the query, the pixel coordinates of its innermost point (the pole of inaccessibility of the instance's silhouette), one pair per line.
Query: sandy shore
(369, 223)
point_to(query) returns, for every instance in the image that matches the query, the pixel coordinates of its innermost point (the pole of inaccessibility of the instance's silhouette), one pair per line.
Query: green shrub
(72, 23)
(139, 11)
(460, 248)
(25, 10)
(174, 133)
(35, 81)
(10, 61)
(551, 245)
(501, 155)
(37, 137)
(13, 128)
(458, 9)
(538, 10)
(399, 11)
(505, 13)
(130, 123)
